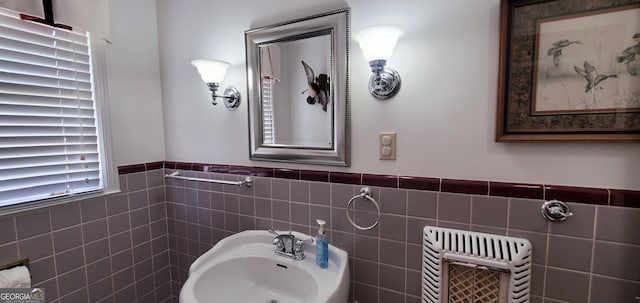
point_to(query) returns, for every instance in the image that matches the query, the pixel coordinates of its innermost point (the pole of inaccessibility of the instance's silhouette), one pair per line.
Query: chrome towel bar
(248, 181)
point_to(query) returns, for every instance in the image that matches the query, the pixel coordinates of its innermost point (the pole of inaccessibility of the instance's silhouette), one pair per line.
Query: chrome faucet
(288, 246)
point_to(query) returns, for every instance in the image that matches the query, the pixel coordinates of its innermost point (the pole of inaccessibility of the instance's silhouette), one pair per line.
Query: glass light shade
(211, 71)
(377, 42)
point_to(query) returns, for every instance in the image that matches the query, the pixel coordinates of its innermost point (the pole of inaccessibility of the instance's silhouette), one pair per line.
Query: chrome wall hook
(555, 211)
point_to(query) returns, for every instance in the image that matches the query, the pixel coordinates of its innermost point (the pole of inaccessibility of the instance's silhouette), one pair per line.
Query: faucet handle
(273, 232)
(297, 248)
(277, 241)
(300, 241)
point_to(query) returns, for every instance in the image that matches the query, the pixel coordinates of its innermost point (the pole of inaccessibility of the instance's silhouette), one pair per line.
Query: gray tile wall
(594, 257)
(112, 249)
(137, 246)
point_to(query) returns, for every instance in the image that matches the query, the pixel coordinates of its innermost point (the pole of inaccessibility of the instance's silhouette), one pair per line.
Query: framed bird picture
(569, 70)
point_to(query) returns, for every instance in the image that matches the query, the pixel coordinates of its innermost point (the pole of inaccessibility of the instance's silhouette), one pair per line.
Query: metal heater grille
(484, 252)
(472, 285)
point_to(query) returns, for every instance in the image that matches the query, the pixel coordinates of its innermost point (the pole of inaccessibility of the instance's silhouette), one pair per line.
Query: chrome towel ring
(365, 194)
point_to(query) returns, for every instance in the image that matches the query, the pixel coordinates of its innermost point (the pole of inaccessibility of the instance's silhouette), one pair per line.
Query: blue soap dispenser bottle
(322, 247)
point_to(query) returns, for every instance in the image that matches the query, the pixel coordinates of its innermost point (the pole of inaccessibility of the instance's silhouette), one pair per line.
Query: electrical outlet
(387, 145)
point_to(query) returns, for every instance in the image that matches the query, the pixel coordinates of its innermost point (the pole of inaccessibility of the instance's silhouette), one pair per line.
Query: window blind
(268, 131)
(48, 127)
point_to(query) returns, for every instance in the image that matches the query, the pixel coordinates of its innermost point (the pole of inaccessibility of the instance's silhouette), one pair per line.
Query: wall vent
(483, 250)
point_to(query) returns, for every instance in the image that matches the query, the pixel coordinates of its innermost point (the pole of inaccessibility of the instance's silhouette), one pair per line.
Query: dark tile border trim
(346, 178)
(432, 184)
(597, 196)
(262, 172)
(624, 198)
(170, 164)
(130, 169)
(154, 165)
(136, 168)
(314, 175)
(221, 169)
(465, 187)
(585, 195)
(285, 173)
(380, 180)
(516, 190)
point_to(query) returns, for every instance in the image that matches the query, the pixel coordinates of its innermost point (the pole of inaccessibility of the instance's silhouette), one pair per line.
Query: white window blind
(268, 129)
(48, 127)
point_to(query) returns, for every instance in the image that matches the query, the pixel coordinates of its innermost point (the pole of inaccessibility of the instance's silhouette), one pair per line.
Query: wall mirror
(298, 90)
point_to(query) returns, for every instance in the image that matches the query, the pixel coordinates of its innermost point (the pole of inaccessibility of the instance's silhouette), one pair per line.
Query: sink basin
(244, 268)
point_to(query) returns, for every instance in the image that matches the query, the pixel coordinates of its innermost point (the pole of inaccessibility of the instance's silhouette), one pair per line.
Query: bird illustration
(590, 73)
(556, 49)
(629, 56)
(318, 87)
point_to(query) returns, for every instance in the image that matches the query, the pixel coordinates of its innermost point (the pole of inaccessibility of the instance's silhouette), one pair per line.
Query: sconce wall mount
(384, 83)
(377, 44)
(231, 95)
(212, 73)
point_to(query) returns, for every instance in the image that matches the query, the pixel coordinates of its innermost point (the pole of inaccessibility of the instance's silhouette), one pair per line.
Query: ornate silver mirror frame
(327, 92)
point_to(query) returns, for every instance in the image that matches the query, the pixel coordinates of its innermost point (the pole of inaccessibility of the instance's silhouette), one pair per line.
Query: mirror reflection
(297, 107)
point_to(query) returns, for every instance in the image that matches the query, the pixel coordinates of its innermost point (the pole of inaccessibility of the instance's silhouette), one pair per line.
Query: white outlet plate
(392, 145)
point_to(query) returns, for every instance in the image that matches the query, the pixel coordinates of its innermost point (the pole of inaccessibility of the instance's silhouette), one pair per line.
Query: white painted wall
(133, 72)
(444, 114)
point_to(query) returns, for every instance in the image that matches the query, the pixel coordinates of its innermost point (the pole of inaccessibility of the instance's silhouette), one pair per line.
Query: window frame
(108, 171)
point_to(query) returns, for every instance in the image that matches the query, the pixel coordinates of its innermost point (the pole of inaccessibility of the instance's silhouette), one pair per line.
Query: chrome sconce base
(231, 95)
(384, 83)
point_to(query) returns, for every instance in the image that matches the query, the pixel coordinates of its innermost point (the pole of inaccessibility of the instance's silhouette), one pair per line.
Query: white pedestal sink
(244, 268)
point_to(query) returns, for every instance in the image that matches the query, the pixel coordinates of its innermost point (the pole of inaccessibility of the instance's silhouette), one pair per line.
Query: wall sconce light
(377, 43)
(212, 73)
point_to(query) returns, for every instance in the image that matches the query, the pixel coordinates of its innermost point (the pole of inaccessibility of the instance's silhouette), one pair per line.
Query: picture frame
(568, 71)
